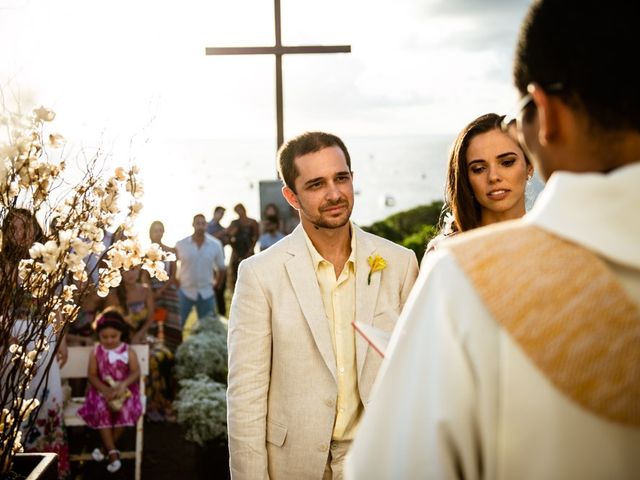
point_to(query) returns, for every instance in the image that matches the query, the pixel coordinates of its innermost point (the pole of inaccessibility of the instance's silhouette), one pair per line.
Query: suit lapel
(305, 285)
(366, 294)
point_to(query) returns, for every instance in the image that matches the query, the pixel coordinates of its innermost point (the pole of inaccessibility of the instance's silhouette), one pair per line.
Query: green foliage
(418, 241)
(202, 409)
(412, 228)
(402, 224)
(384, 229)
(204, 352)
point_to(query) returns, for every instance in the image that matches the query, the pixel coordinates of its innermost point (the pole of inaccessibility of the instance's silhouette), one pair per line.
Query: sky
(132, 78)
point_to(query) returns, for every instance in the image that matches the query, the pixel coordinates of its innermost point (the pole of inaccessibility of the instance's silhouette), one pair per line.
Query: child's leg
(107, 436)
(114, 455)
(117, 433)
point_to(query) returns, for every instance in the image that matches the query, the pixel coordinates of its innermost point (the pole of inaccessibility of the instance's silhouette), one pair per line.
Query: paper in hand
(378, 339)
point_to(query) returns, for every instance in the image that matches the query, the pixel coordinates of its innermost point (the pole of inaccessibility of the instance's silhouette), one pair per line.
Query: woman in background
(243, 235)
(162, 385)
(487, 177)
(165, 294)
(46, 433)
(271, 213)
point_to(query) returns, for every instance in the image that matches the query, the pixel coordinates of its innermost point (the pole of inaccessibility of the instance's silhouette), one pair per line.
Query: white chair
(77, 367)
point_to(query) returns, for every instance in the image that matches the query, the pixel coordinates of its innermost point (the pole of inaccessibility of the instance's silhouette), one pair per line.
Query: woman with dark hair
(20, 230)
(271, 213)
(243, 235)
(165, 293)
(486, 178)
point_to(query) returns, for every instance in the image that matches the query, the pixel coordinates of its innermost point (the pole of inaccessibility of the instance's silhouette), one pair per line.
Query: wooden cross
(278, 50)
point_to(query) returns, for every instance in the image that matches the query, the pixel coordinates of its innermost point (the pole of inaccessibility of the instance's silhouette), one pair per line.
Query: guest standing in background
(20, 229)
(271, 212)
(215, 229)
(165, 294)
(201, 268)
(243, 235)
(270, 233)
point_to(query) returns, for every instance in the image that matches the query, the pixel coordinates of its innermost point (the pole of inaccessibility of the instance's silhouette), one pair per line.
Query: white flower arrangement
(202, 409)
(50, 276)
(201, 367)
(204, 352)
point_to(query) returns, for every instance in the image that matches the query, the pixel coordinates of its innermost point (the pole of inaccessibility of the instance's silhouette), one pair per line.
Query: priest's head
(575, 69)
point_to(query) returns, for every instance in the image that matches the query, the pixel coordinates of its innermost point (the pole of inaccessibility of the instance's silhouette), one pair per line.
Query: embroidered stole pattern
(566, 310)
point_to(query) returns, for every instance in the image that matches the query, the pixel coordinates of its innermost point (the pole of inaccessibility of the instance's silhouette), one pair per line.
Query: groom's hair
(588, 47)
(304, 144)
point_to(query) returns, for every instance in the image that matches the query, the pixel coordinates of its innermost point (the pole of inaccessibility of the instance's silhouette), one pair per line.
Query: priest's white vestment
(462, 394)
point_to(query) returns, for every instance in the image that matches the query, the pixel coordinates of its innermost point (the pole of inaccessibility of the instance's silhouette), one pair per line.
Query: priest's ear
(553, 115)
(291, 197)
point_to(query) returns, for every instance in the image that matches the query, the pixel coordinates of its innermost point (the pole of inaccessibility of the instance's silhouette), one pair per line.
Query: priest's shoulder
(502, 236)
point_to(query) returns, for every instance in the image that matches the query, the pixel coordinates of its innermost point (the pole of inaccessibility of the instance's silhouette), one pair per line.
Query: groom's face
(324, 188)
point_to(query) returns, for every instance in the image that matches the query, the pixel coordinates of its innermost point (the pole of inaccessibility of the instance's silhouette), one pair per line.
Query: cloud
(473, 8)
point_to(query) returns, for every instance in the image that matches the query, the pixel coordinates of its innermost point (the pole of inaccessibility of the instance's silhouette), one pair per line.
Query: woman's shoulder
(448, 230)
(435, 242)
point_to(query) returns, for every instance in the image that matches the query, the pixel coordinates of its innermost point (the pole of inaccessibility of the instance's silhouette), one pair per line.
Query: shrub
(204, 352)
(403, 224)
(418, 241)
(202, 409)
(412, 228)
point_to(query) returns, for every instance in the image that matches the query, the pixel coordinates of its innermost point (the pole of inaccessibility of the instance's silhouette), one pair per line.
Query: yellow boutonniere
(376, 263)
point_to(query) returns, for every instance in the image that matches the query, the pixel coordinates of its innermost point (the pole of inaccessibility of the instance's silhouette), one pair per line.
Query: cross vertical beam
(279, 94)
(278, 50)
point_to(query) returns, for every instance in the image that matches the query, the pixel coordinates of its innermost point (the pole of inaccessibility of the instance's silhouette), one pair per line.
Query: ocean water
(185, 177)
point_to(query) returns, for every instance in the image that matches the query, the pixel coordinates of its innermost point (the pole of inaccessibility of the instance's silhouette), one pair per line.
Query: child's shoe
(97, 455)
(114, 465)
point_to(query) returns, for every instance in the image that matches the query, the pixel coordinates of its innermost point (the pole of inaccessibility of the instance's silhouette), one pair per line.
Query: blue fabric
(204, 306)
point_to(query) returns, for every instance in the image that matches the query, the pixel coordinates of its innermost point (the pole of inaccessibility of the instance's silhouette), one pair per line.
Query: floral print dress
(95, 411)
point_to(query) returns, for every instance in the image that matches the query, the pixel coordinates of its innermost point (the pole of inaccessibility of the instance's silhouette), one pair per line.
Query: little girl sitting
(113, 397)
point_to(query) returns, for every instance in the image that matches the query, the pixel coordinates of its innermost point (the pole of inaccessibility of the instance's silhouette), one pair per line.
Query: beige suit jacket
(282, 369)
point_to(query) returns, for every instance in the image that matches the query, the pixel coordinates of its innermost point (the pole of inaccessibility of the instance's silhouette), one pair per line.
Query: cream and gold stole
(566, 310)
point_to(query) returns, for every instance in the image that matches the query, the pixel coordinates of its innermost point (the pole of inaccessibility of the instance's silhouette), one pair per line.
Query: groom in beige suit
(299, 375)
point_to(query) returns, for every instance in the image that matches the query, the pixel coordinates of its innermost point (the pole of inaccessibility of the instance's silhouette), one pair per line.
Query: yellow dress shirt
(339, 299)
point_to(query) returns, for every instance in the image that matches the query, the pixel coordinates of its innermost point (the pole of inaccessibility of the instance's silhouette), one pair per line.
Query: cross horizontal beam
(277, 50)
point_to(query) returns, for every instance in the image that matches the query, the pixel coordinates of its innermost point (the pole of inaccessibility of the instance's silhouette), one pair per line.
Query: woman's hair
(112, 318)
(459, 194)
(9, 245)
